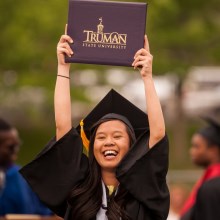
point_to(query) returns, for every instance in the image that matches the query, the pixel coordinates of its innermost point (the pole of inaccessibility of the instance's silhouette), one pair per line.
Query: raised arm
(144, 59)
(62, 99)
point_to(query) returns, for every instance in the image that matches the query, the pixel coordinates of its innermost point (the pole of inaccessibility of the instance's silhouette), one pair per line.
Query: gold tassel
(83, 136)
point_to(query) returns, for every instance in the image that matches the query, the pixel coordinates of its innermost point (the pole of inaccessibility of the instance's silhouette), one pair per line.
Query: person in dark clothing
(204, 200)
(16, 195)
(208, 200)
(124, 174)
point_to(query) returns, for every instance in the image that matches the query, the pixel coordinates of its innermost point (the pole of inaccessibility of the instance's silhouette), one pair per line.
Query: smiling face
(111, 144)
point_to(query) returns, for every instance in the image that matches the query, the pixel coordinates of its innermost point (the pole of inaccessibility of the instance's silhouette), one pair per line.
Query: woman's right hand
(63, 48)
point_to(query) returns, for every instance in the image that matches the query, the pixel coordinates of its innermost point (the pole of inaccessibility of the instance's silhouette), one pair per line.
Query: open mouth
(110, 153)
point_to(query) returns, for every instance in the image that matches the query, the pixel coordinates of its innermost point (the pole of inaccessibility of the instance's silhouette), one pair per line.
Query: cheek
(5, 151)
(96, 149)
(198, 153)
(201, 151)
(195, 152)
(124, 147)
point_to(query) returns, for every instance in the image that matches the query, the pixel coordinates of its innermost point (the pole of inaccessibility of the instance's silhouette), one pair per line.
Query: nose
(109, 142)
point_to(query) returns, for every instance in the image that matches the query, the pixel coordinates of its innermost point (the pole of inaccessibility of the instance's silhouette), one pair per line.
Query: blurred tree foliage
(181, 33)
(184, 33)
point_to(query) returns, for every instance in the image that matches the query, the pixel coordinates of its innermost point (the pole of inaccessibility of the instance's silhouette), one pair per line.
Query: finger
(138, 58)
(65, 38)
(145, 63)
(66, 29)
(64, 51)
(139, 64)
(146, 43)
(141, 52)
(146, 56)
(65, 45)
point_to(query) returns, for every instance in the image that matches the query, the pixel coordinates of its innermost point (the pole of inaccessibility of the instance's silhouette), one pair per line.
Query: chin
(200, 163)
(109, 165)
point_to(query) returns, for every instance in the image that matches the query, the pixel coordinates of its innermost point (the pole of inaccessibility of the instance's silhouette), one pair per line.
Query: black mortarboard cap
(212, 131)
(113, 102)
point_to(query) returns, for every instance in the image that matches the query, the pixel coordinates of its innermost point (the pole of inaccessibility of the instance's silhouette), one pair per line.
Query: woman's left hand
(143, 60)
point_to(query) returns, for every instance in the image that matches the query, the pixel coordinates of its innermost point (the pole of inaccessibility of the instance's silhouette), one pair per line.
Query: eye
(100, 137)
(118, 136)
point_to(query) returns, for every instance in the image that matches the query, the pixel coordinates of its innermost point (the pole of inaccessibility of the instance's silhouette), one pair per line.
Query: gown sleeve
(143, 173)
(56, 170)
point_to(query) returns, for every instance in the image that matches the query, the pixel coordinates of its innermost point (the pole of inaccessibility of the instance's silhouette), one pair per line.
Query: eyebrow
(101, 132)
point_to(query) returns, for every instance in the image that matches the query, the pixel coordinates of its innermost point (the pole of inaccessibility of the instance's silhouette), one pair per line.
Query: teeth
(110, 153)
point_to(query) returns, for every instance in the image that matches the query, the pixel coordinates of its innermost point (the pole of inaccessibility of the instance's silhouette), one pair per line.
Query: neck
(215, 158)
(175, 210)
(109, 178)
(217, 161)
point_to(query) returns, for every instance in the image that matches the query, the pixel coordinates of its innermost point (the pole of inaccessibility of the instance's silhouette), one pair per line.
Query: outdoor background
(184, 40)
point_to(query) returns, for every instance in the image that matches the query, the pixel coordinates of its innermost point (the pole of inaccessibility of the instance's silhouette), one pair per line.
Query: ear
(214, 152)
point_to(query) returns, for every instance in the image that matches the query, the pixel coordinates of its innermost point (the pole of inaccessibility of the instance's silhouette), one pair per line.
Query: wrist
(147, 78)
(63, 70)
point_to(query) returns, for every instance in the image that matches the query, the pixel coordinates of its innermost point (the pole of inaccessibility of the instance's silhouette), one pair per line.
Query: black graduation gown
(207, 202)
(61, 165)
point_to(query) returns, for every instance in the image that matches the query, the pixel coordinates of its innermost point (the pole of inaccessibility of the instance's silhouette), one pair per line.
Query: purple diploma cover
(104, 32)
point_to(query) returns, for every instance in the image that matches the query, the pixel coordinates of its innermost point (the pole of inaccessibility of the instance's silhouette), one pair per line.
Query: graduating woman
(124, 174)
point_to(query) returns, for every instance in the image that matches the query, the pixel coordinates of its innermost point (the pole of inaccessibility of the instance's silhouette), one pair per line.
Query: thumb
(66, 29)
(146, 43)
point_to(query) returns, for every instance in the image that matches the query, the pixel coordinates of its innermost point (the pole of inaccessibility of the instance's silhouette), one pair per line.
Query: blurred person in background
(15, 194)
(204, 200)
(178, 196)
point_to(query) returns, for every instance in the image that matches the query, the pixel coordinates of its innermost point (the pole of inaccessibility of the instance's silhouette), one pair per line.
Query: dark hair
(4, 125)
(86, 198)
(211, 143)
(209, 140)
